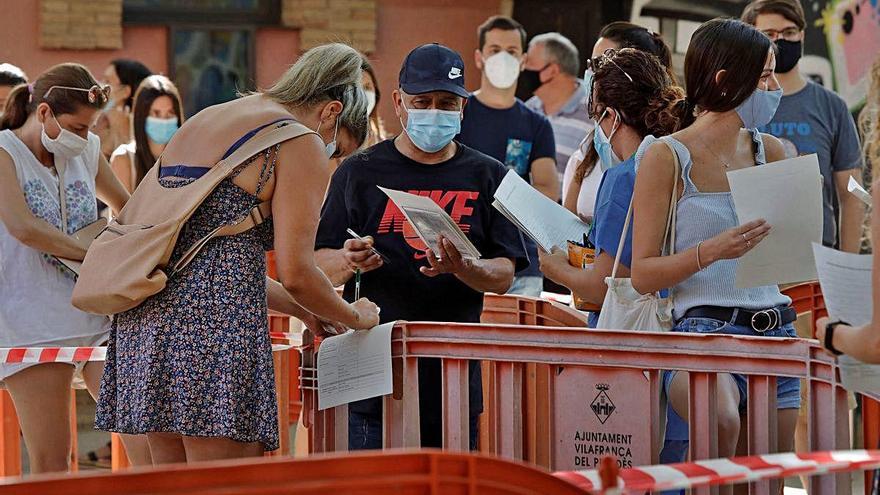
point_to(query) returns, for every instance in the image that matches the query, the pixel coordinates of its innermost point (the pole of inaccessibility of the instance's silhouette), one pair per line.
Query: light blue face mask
(431, 130)
(607, 158)
(759, 108)
(160, 130)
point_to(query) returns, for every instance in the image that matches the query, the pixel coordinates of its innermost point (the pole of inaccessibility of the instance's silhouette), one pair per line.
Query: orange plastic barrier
(601, 393)
(405, 473)
(807, 298)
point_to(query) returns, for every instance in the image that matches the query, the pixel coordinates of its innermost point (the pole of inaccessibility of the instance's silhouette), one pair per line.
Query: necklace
(723, 161)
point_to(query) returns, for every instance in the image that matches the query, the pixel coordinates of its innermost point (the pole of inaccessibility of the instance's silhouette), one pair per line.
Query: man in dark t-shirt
(416, 283)
(497, 123)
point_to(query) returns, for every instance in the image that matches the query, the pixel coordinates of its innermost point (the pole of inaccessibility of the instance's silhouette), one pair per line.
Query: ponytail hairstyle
(722, 44)
(326, 73)
(869, 121)
(647, 103)
(629, 35)
(150, 89)
(24, 98)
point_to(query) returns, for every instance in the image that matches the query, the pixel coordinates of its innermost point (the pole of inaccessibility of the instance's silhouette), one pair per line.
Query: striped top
(570, 124)
(702, 216)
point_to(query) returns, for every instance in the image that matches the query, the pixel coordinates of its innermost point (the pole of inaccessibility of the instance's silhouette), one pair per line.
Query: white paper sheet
(548, 223)
(858, 191)
(788, 194)
(846, 286)
(354, 366)
(430, 221)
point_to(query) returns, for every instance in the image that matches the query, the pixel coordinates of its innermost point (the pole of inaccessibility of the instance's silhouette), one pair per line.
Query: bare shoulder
(773, 148)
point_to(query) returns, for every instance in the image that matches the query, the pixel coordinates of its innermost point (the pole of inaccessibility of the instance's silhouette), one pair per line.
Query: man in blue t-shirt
(811, 119)
(497, 123)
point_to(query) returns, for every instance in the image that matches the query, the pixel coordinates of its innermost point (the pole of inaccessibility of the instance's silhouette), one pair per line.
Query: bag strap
(259, 213)
(669, 234)
(670, 220)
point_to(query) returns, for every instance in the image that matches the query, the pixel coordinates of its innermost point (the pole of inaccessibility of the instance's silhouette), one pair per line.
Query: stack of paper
(858, 191)
(788, 195)
(430, 222)
(546, 222)
(846, 286)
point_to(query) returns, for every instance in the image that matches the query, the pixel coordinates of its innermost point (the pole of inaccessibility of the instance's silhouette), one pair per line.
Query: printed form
(548, 223)
(354, 366)
(788, 195)
(846, 286)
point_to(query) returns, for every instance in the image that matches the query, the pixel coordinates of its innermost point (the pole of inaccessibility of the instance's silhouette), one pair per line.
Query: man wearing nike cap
(415, 283)
(500, 125)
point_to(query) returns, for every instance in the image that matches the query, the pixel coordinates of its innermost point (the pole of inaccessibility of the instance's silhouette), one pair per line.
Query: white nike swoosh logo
(453, 75)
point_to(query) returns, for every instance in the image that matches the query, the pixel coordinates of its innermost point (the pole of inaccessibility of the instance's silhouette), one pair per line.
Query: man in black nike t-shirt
(417, 284)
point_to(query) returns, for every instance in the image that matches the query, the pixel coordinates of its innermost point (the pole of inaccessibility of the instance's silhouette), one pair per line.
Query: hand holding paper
(788, 195)
(846, 286)
(354, 366)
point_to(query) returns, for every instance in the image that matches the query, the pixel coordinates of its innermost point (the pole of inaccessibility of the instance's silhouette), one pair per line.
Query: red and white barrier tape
(19, 355)
(726, 471)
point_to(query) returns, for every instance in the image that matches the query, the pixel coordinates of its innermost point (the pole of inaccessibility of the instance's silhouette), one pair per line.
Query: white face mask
(371, 102)
(67, 145)
(330, 148)
(502, 70)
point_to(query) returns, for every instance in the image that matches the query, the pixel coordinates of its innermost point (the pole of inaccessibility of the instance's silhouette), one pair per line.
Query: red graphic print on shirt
(454, 202)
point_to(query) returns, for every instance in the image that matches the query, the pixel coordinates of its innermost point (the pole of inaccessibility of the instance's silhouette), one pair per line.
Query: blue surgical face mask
(431, 130)
(759, 108)
(160, 130)
(607, 157)
(588, 84)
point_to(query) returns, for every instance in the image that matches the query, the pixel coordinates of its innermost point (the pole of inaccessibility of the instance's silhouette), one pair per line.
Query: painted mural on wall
(842, 41)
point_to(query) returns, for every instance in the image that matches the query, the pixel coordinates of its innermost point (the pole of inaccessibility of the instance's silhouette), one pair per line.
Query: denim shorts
(787, 389)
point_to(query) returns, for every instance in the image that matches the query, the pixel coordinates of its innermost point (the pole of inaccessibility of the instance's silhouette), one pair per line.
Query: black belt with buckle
(759, 321)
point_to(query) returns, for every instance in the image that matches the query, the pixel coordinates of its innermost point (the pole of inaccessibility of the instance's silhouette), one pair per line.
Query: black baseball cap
(433, 67)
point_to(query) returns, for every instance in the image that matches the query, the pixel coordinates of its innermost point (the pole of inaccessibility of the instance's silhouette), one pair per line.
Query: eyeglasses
(788, 34)
(594, 64)
(96, 93)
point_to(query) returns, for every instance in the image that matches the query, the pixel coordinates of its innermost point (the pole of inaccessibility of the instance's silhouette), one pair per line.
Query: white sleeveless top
(35, 289)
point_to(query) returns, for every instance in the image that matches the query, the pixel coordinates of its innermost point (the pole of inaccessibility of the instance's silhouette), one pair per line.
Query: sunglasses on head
(96, 93)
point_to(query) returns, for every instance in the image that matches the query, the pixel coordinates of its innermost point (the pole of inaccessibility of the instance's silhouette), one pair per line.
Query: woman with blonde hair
(863, 343)
(191, 367)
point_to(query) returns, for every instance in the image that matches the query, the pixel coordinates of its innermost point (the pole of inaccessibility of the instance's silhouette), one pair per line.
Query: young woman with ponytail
(48, 155)
(633, 97)
(582, 176)
(731, 90)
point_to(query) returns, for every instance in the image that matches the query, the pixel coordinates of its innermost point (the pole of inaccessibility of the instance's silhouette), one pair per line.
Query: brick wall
(323, 21)
(81, 24)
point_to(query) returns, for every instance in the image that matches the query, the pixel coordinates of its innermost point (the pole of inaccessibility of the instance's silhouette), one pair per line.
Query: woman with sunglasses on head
(48, 156)
(583, 172)
(156, 116)
(633, 96)
(731, 91)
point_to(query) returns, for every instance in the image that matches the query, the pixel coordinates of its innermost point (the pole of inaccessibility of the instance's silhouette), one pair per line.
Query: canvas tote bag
(624, 308)
(129, 261)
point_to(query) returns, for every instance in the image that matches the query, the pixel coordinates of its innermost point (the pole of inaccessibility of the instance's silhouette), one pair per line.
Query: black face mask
(788, 54)
(529, 82)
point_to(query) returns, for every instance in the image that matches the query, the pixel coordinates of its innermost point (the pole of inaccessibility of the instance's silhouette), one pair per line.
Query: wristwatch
(829, 336)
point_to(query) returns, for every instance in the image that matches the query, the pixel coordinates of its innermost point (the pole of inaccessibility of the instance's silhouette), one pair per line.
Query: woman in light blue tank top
(730, 86)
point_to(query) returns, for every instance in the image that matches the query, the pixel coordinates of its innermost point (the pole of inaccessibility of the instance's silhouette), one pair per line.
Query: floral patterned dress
(196, 358)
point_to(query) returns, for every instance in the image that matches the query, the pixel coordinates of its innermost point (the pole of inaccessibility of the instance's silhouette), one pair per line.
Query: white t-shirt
(586, 200)
(35, 289)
